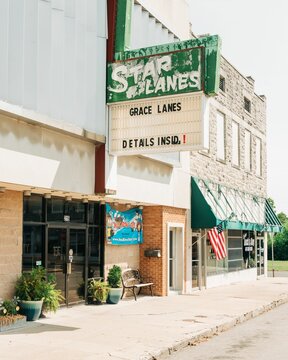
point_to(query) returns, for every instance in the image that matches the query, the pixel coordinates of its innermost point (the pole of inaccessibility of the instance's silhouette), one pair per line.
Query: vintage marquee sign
(157, 75)
(167, 69)
(166, 124)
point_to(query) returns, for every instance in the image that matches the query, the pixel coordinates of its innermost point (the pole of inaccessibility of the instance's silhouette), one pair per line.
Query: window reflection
(33, 247)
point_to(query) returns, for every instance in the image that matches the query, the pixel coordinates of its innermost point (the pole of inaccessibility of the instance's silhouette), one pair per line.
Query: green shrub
(9, 307)
(114, 277)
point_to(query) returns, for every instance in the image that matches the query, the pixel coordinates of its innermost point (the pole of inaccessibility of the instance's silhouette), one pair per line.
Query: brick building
(58, 172)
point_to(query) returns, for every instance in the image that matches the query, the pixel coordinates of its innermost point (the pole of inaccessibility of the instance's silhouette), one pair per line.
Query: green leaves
(114, 277)
(35, 286)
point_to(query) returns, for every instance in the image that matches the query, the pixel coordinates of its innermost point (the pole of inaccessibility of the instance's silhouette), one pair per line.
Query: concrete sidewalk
(150, 328)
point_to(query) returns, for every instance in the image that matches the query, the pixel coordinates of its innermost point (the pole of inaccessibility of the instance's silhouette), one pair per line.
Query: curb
(207, 334)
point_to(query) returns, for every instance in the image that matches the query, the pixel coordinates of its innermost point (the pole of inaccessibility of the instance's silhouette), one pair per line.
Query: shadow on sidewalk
(37, 328)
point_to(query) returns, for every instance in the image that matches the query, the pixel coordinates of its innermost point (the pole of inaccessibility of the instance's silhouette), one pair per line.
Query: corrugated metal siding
(52, 59)
(147, 31)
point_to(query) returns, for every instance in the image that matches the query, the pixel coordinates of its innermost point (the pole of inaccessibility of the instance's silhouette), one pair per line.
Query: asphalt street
(264, 337)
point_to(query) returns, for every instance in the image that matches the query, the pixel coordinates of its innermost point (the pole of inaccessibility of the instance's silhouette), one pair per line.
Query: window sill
(247, 113)
(221, 161)
(207, 154)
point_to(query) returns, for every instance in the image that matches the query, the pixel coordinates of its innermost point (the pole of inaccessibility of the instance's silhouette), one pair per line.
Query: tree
(280, 240)
(283, 218)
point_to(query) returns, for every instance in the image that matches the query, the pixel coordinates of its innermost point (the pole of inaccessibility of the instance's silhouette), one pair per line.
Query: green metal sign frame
(175, 68)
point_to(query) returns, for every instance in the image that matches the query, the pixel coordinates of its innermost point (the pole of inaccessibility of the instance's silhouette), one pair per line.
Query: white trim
(45, 121)
(181, 227)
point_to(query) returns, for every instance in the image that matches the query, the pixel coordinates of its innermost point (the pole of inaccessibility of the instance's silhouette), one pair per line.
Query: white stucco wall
(37, 157)
(140, 179)
(232, 277)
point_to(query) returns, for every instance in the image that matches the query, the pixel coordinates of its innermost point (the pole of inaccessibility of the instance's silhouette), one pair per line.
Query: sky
(254, 37)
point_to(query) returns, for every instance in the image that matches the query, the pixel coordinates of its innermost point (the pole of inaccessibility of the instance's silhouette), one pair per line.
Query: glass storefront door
(196, 261)
(76, 278)
(56, 256)
(66, 260)
(66, 238)
(172, 258)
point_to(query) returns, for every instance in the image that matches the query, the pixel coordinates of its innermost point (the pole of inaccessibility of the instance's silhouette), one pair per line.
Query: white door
(175, 259)
(172, 258)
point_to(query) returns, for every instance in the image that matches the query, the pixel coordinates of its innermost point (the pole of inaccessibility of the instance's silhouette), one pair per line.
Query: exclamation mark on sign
(184, 139)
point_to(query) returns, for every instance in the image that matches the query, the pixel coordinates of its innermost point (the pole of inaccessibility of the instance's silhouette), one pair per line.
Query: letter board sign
(166, 124)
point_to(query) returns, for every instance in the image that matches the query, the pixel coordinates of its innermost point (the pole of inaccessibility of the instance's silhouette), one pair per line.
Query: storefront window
(33, 208)
(214, 266)
(235, 250)
(33, 247)
(76, 211)
(249, 249)
(69, 211)
(241, 253)
(55, 209)
(95, 251)
(96, 213)
(64, 234)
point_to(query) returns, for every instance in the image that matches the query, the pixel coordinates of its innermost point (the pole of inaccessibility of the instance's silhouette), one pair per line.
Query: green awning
(212, 203)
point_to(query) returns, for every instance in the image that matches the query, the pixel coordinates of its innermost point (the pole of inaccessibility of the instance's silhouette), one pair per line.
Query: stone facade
(126, 256)
(231, 103)
(11, 214)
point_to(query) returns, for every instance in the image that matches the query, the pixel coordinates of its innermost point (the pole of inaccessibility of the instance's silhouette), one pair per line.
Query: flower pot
(31, 309)
(114, 295)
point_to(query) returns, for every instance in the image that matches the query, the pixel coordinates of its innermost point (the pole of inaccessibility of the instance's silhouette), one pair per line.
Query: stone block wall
(11, 215)
(231, 103)
(126, 256)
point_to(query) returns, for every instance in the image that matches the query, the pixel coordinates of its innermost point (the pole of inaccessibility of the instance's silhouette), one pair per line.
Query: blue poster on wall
(124, 227)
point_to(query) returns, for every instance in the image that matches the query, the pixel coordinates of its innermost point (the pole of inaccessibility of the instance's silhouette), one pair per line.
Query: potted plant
(37, 293)
(97, 291)
(114, 284)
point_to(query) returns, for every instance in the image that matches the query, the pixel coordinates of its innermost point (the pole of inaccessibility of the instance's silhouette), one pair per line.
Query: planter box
(12, 323)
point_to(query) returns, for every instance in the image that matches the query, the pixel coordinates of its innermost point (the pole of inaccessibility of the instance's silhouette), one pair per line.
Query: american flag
(217, 240)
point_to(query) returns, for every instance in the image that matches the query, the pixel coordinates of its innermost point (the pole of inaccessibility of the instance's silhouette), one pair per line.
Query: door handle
(69, 268)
